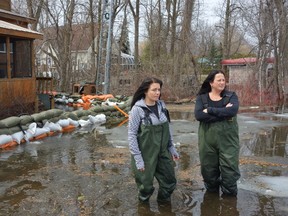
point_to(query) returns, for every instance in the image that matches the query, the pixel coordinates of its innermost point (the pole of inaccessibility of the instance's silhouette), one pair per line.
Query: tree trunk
(136, 17)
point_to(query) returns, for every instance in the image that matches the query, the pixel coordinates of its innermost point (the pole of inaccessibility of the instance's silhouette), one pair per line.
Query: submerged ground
(87, 172)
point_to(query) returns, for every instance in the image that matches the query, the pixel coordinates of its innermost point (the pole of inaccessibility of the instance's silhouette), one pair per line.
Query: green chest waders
(153, 142)
(219, 155)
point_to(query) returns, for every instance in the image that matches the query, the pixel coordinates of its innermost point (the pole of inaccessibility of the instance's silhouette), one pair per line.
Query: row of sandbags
(36, 131)
(81, 100)
(14, 124)
(12, 127)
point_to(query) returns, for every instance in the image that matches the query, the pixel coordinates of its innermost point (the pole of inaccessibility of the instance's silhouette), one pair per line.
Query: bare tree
(91, 9)
(34, 10)
(281, 56)
(61, 43)
(173, 16)
(185, 51)
(268, 23)
(136, 16)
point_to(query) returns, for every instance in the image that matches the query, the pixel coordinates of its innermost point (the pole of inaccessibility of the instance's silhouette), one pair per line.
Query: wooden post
(36, 104)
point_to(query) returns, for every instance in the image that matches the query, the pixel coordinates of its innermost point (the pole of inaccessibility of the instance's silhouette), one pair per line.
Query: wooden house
(17, 76)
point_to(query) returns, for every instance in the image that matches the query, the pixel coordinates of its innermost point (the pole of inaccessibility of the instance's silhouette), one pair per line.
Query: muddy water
(87, 172)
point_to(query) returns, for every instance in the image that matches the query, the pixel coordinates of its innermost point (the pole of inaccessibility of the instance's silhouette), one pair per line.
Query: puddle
(275, 186)
(87, 172)
(263, 137)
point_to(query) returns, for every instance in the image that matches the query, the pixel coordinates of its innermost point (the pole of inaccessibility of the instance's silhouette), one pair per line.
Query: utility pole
(109, 50)
(105, 48)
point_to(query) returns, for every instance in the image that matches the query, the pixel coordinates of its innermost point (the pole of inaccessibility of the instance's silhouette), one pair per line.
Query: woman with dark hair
(150, 142)
(218, 135)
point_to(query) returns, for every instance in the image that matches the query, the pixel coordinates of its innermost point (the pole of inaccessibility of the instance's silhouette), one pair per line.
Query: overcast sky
(209, 7)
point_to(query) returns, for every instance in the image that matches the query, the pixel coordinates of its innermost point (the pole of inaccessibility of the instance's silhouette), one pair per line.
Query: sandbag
(40, 131)
(5, 139)
(97, 119)
(5, 131)
(96, 109)
(54, 127)
(70, 115)
(108, 108)
(18, 137)
(54, 120)
(84, 123)
(34, 133)
(79, 113)
(55, 112)
(15, 129)
(73, 122)
(9, 122)
(38, 117)
(26, 119)
(63, 122)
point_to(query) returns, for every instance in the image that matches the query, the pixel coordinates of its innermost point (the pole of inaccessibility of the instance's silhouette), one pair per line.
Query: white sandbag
(97, 119)
(84, 123)
(28, 135)
(55, 127)
(32, 128)
(73, 122)
(91, 119)
(33, 131)
(101, 117)
(63, 122)
(18, 137)
(80, 101)
(5, 139)
(40, 131)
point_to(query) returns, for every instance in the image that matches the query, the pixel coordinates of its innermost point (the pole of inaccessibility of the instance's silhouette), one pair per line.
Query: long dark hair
(206, 87)
(140, 92)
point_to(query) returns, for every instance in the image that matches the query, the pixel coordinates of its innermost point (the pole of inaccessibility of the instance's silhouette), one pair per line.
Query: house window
(20, 60)
(3, 58)
(2, 47)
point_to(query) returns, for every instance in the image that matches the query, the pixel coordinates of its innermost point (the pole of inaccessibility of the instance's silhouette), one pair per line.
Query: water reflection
(269, 142)
(213, 204)
(164, 209)
(144, 209)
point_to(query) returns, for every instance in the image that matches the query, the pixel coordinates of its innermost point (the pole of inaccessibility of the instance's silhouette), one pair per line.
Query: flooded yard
(87, 172)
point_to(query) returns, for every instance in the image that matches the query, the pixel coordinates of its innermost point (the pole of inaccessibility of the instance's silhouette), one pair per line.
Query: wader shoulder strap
(204, 98)
(166, 111)
(147, 118)
(227, 97)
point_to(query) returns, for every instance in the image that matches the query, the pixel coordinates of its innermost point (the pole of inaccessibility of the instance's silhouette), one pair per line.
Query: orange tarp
(86, 98)
(9, 144)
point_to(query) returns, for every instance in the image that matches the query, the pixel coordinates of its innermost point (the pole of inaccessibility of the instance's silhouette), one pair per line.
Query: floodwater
(87, 172)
